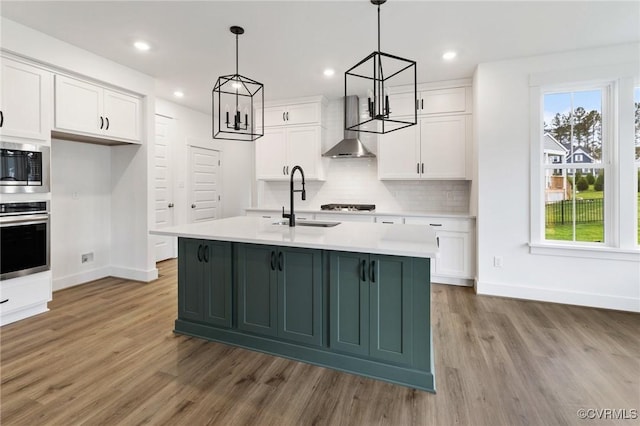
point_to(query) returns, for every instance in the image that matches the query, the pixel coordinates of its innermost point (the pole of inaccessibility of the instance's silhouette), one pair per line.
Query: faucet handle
(286, 216)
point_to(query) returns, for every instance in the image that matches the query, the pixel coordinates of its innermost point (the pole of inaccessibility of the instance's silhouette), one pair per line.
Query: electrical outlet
(87, 257)
(498, 261)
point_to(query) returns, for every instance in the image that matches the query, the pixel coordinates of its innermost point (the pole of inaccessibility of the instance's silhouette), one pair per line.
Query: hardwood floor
(106, 354)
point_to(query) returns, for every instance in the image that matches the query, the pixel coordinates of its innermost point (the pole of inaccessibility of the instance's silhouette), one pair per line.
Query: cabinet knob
(193, 206)
(170, 205)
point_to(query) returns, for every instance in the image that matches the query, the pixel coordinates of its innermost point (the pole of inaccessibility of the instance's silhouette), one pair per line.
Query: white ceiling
(288, 44)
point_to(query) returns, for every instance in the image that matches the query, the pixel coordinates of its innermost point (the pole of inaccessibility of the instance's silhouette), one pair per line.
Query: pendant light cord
(236, 53)
(378, 28)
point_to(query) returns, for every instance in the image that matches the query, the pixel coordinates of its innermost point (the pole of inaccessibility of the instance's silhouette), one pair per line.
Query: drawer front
(389, 219)
(345, 217)
(21, 294)
(441, 223)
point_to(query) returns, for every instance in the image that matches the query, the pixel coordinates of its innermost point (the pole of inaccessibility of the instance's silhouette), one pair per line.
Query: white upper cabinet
(282, 148)
(287, 115)
(439, 146)
(439, 101)
(85, 108)
(25, 101)
(436, 148)
(292, 137)
(443, 148)
(399, 154)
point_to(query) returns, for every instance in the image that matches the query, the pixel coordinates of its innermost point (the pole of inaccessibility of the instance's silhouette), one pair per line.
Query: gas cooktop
(349, 207)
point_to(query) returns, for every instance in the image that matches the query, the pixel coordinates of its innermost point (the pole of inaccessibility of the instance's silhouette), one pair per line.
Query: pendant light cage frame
(371, 79)
(237, 105)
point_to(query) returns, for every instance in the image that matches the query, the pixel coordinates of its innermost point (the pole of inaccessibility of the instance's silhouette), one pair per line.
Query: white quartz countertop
(365, 212)
(375, 238)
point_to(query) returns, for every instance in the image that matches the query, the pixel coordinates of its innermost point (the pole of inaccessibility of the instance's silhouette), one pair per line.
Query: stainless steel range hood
(350, 146)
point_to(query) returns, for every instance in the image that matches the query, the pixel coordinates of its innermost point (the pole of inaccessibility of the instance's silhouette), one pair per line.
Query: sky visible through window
(561, 103)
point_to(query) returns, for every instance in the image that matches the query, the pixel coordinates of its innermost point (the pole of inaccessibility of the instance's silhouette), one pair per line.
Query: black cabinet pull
(422, 168)
(435, 224)
(363, 268)
(107, 120)
(287, 115)
(418, 168)
(4, 301)
(200, 253)
(438, 241)
(1, 121)
(283, 119)
(273, 261)
(417, 104)
(206, 254)
(421, 103)
(101, 122)
(372, 271)
(280, 261)
(283, 167)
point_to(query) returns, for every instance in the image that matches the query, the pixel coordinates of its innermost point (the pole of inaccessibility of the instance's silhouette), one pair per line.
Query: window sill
(592, 252)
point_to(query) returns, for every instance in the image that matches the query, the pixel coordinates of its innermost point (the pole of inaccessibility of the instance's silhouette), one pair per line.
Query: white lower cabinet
(455, 235)
(23, 297)
(456, 242)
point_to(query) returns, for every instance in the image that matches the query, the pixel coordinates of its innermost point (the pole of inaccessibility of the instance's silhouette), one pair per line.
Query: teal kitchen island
(353, 297)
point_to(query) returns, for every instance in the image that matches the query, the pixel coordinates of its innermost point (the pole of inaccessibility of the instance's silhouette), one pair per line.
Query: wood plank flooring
(106, 354)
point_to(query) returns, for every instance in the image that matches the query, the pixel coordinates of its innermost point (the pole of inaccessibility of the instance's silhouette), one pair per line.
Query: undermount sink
(315, 223)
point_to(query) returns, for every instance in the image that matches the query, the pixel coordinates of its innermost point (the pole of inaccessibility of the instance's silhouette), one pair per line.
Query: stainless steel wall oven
(24, 168)
(24, 238)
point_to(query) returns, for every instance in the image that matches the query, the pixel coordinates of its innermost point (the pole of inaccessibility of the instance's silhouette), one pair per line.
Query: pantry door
(204, 188)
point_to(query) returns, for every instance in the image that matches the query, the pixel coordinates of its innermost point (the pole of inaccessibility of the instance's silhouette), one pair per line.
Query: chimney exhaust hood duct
(350, 146)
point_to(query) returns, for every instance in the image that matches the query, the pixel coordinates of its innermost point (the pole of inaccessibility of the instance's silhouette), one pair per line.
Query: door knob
(193, 206)
(170, 205)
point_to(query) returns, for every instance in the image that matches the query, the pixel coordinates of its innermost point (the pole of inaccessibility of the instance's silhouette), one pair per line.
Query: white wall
(193, 128)
(131, 202)
(80, 211)
(503, 143)
(356, 181)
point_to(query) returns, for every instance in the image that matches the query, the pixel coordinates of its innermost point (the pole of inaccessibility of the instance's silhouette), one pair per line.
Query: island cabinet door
(300, 295)
(349, 303)
(257, 286)
(391, 313)
(217, 283)
(190, 280)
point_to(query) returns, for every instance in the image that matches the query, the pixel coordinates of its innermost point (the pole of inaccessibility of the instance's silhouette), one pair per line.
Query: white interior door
(205, 184)
(165, 247)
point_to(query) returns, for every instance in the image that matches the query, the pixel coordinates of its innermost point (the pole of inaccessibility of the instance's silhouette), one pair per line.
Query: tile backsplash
(355, 180)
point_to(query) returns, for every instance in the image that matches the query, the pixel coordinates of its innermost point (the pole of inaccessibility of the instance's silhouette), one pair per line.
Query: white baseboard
(435, 279)
(579, 298)
(23, 313)
(81, 278)
(106, 271)
(134, 274)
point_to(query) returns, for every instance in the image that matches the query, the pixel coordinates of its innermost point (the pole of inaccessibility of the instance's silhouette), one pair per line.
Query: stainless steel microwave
(24, 168)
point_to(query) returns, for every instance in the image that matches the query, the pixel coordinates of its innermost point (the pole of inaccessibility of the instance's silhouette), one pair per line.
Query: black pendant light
(236, 101)
(371, 79)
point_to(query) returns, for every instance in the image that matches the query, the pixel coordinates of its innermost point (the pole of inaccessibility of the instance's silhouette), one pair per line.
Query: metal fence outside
(561, 212)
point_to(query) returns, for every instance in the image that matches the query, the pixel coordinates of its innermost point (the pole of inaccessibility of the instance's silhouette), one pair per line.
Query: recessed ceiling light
(329, 72)
(178, 94)
(142, 45)
(449, 55)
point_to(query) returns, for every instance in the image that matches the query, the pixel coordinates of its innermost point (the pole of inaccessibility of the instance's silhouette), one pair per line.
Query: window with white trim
(575, 200)
(636, 101)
